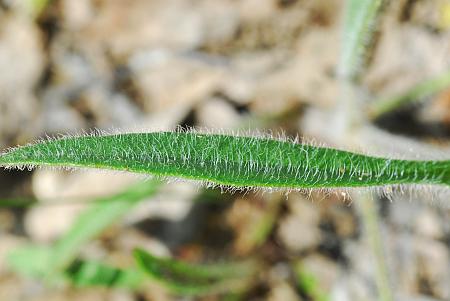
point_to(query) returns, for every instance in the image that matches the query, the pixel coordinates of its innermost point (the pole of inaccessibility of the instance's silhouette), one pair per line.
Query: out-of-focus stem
(369, 211)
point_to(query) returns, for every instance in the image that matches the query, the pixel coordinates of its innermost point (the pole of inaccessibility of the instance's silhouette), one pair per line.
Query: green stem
(369, 210)
(360, 20)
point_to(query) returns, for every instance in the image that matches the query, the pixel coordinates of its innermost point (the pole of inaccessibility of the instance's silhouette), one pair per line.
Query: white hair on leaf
(388, 191)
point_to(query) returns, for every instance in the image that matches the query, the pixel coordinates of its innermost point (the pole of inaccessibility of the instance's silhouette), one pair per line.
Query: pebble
(299, 230)
(216, 113)
(283, 291)
(298, 235)
(20, 51)
(428, 224)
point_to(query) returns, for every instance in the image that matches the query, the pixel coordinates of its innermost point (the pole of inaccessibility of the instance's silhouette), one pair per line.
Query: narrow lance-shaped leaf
(91, 273)
(32, 261)
(194, 279)
(94, 220)
(103, 212)
(228, 160)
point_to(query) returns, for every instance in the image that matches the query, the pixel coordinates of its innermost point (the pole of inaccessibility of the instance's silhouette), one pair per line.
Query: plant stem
(369, 210)
(361, 17)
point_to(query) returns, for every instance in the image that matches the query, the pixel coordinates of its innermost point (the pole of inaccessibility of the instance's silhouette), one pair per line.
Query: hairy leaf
(228, 160)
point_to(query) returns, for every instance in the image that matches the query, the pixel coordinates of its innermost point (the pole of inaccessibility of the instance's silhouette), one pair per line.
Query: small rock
(58, 118)
(173, 204)
(55, 185)
(307, 78)
(221, 21)
(299, 231)
(298, 235)
(304, 209)
(77, 14)
(139, 24)
(20, 53)
(283, 291)
(217, 113)
(428, 224)
(158, 73)
(46, 223)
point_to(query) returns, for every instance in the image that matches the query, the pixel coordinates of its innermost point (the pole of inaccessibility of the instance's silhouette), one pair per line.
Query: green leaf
(30, 261)
(94, 220)
(192, 279)
(219, 159)
(90, 273)
(417, 93)
(309, 284)
(49, 262)
(359, 23)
